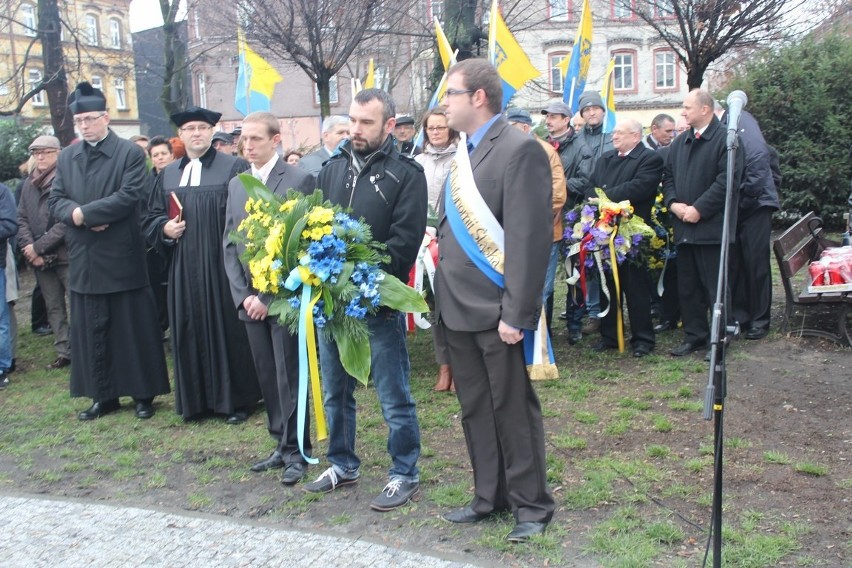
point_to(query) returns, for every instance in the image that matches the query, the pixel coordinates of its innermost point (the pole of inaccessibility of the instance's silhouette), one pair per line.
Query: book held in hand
(175, 207)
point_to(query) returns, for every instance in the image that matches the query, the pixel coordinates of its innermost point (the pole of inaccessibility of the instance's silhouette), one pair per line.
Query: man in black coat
(99, 188)
(694, 182)
(629, 172)
(751, 277)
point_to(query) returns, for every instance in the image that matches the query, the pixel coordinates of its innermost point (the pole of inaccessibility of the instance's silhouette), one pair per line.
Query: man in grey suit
(274, 349)
(485, 322)
(334, 130)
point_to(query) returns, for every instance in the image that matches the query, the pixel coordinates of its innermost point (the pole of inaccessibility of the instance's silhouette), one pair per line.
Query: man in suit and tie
(629, 172)
(274, 349)
(485, 322)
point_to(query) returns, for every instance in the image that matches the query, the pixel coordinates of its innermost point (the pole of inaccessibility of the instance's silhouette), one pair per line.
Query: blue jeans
(389, 373)
(592, 301)
(5, 330)
(549, 283)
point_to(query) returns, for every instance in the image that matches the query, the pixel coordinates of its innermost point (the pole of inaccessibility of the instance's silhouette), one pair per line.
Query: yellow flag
(444, 48)
(370, 81)
(608, 96)
(256, 79)
(507, 56)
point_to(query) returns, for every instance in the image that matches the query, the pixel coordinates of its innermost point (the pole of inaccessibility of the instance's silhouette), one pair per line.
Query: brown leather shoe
(445, 379)
(60, 363)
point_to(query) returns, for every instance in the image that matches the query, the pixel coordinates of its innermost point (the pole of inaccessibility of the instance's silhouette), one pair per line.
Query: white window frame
(92, 30)
(201, 85)
(29, 20)
(556, 78)
(34, 77)
(120, 92)
(115, 33)
(333, 94)
(96, 82)
(558, 10)
(666, 68)
(624, 69)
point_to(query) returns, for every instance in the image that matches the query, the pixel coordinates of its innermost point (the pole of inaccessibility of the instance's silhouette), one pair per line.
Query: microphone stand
(714, 398)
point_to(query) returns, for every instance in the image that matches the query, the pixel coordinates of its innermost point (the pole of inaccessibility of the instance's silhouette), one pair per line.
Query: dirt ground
(785, 394)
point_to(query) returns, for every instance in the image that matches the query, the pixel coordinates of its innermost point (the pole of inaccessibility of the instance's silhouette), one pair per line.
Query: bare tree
(175, 59)
(703, 31)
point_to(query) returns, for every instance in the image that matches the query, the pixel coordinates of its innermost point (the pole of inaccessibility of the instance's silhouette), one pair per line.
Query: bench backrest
(797, 246)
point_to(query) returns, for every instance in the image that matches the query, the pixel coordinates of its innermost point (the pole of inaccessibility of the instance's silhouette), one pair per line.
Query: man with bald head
(694, 182)
(629, 172)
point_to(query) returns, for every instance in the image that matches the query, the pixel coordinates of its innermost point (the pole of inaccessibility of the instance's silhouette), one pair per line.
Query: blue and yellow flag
(256, 80)
(445, 50)
(575, 70)
(608, 96)
(507, 56)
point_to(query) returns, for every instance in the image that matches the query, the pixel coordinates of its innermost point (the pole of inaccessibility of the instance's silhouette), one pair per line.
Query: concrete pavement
(60, 532)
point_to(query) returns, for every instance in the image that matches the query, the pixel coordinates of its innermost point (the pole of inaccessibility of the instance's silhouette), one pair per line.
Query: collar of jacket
(708, 133)
(386, 151)
(433, 151)
(593, 130)
(206, 158)
(105, 146)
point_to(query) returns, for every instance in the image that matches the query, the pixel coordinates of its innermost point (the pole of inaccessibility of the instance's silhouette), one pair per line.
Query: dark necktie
(469, 147)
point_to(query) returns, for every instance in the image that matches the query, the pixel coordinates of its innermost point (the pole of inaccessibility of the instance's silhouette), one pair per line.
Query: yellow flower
(287, 206)
(657, 243)
(274, 244)
(319, 215)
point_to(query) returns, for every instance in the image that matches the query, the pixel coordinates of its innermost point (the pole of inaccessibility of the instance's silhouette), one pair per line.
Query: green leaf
(343, 278)
(354, 355)
(255, 188)
(292, 248)
(328, 301)
(401, 297)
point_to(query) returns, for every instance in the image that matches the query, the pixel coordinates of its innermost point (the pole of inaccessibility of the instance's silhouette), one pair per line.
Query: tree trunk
(324, 96)
(55, 80)
(173, 96)
(695, 74)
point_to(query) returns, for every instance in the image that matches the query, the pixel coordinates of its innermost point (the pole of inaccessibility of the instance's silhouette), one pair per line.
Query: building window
(28, 19)
(622, 9)
(196, 24)
(664, 8)
(120, 94)
(201, 84)
(332, 92)
(114, 33)
(624, 72)
(97, 82)
(665, 70)
(34, 78)
(436, 10)
(381, 77)
(556, 78)
(557, 10)
(91, 30)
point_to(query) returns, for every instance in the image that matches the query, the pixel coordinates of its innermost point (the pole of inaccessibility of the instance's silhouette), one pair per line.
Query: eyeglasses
(44, 152)
(194, 129)
(451, 92)
(437, 128)
(88, 120)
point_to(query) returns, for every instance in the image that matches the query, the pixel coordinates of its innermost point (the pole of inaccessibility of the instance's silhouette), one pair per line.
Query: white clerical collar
(262, 173)
(191, 174)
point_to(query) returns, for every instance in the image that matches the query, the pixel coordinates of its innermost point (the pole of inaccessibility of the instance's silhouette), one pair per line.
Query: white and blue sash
(482, 239)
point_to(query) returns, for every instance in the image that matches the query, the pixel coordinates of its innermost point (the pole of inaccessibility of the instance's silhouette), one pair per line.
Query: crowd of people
(137, 234)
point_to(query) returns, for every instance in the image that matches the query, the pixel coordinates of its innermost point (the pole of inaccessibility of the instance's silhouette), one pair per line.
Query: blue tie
(470, 147)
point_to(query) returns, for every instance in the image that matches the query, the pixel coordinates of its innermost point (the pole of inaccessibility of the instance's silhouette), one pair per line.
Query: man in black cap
(223, 142)
(214, 371)
(403, 132)
(99, 189)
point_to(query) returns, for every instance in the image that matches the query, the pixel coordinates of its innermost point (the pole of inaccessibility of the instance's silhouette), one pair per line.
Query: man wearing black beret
(100, 187)
(214, 371)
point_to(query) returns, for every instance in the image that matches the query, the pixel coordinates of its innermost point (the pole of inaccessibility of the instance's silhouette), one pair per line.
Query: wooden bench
(794, 249)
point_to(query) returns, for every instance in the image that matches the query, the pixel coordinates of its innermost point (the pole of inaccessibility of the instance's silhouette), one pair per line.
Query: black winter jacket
(695, 174)
(389, 194)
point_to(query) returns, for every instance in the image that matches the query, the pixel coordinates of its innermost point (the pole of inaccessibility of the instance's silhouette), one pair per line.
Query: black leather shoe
(523, 531)
(756, 333)
(464, 515)
(602, 346)
(59, 363)
(574, 337)
(274, 461)
(99, 409)
(686, 348)
(665, 326)
(293, 473)
(642, 350)
(144, 409)
(238, 417)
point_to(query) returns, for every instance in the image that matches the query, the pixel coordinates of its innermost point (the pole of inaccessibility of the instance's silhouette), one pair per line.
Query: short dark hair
(660, 119)
(480, 74)
(436, 111)
(388, 107)
(159, 141)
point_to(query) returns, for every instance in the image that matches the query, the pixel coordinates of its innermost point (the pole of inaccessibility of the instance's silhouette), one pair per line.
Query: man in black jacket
(387, 189)
(98, 191)
(629, 172)
(694, 181)
(751, 277)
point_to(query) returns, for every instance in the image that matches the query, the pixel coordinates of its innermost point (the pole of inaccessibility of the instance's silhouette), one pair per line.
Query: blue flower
(294, 302)
(618, 241)
(571, 216)
(637, 238)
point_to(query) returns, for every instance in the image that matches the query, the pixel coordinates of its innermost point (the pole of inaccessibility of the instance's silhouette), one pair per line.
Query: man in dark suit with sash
(273, 347)
(485, 321)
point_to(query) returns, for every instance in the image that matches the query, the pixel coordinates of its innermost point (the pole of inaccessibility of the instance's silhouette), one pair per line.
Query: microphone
(737, 101)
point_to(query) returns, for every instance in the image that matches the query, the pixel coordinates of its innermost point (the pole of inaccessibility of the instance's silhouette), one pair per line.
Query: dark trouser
(751, 277)
(158, 276)
(54, 285)
(501, 418)
(38, 309)
(698, 275)
(669, 301)
(276, 359)
(636, 289)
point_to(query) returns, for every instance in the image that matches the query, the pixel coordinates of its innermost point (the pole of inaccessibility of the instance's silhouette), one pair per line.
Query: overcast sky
(145, 14)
